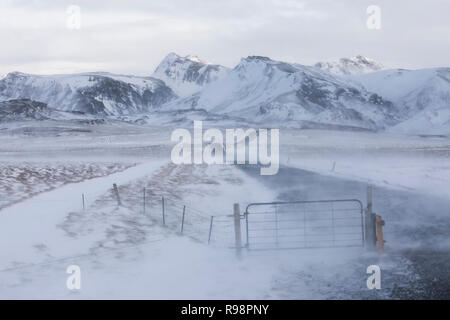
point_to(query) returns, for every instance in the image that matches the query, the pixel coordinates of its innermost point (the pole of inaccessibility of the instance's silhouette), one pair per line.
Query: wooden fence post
(163, 212)
(82, 199)
(182, 219)
(116, 192)
(210, 229)
(143, 196)
(237, 229)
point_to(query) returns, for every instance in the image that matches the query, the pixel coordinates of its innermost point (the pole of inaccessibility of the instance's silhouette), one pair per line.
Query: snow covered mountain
(271, 92)
(94, 93)
(349, 66)
(422, 96)
(186, 75)
(349, 94)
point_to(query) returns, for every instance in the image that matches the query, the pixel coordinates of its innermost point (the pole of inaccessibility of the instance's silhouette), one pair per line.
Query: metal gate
(304, 224)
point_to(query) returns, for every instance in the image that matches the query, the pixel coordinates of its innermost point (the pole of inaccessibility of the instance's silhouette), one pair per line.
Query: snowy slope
(423, 97)
(95, 93)
(271, 92)
(28, 110)
(348, 66)
(23, 109)
(186, 75)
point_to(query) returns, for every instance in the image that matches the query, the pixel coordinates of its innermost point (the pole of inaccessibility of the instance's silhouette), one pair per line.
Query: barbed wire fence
(148, 208)
(167, 212)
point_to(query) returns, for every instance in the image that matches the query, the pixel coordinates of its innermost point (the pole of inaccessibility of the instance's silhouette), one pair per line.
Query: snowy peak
(258, 68)
(186, 75)
(173, 58)
(257, 59)
(350, 66)
(194, 58)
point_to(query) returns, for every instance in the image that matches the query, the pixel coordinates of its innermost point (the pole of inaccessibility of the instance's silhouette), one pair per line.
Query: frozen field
(414, 163)
(21, 180)
(126, 251)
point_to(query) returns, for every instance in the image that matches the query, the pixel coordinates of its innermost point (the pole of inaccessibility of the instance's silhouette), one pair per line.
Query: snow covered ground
(413, 163)
(107, 240)
(19, 181)
(125, 252)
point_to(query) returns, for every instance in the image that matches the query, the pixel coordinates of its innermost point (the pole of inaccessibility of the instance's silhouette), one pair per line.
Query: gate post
(237, 229)
(379, 235)
(370, 225)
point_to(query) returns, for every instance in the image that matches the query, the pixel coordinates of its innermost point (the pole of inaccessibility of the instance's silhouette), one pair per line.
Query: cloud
(133, 36)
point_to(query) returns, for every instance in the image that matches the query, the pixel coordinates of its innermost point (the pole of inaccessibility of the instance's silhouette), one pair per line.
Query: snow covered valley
(129, 251)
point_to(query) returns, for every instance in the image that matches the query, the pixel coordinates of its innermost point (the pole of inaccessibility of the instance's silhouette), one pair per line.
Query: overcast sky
(133, 36)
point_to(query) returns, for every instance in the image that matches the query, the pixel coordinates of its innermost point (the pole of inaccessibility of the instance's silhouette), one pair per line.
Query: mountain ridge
(262, 90)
